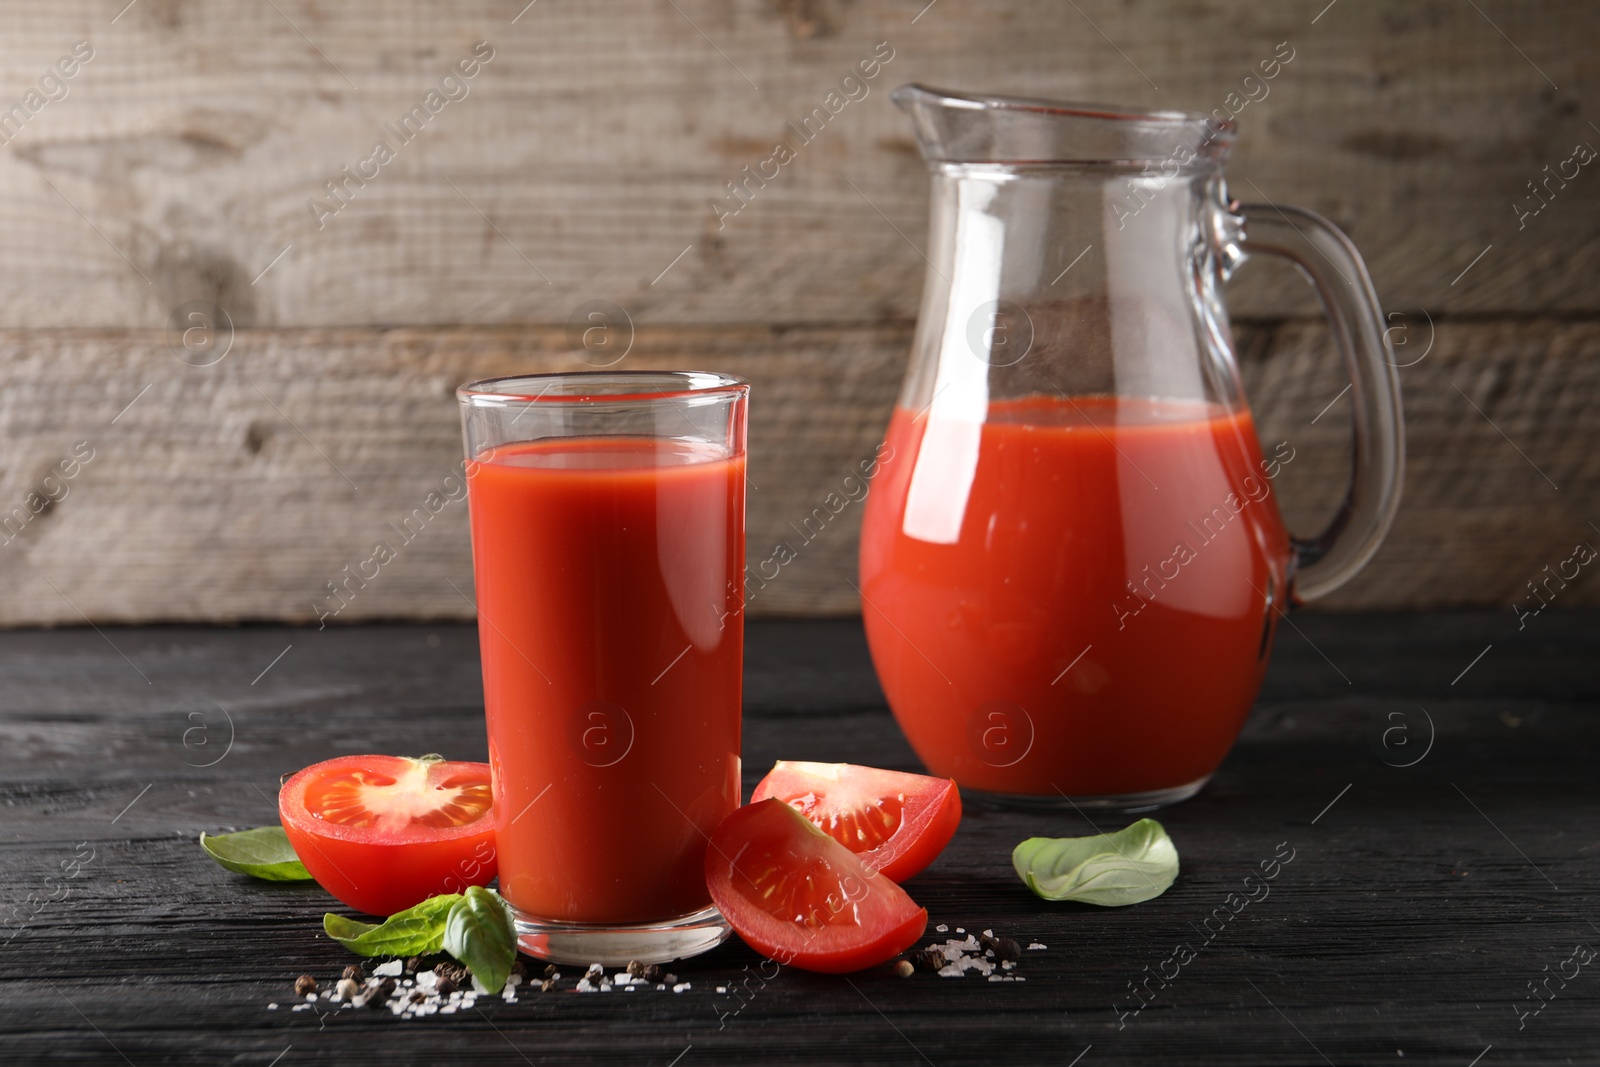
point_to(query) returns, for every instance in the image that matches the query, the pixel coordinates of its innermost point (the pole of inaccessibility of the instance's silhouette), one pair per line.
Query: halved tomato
(382, 833)
(801, 898)
(897, 823)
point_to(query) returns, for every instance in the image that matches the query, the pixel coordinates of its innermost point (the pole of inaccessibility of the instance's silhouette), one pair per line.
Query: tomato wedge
(382, 833)
(897, 823)
(801, 898)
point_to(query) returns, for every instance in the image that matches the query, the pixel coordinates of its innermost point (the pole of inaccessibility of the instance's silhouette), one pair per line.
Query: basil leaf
(480, 934)
(1111, 870)
(263, 853)
(416, 931)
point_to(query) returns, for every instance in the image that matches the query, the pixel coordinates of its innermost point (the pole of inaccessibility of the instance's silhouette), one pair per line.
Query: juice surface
(612, 641)
(1073, 597)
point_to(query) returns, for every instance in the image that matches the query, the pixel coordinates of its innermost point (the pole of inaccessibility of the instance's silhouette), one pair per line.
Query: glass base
(1130, 803)
(617, 946)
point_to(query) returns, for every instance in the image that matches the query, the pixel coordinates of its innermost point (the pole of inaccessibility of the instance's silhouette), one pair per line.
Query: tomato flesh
(801, 898)
(897, 823)
(382, 833)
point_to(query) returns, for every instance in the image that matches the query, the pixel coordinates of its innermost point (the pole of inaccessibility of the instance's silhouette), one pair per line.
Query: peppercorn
(453, 973)
(304, 984)
(670, 978)
(383, 992)
(550, 970)
(651, 973)
(547, 985)
(1009, 949)
(931, 958)
(445, 987)
(989, 942)
(519, 968)
(904, 969)
(635, 969)
(413, 964)
(353, 972)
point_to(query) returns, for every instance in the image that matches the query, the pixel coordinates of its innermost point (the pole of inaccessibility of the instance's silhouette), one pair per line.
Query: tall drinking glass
(608, 544)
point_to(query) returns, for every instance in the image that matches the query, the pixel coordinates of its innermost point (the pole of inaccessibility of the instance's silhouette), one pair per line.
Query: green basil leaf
(263, 853)
(1111, 870)
(480, 934)
(416, 931)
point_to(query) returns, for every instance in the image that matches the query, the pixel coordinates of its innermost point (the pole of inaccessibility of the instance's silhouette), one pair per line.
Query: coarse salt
(391, 969)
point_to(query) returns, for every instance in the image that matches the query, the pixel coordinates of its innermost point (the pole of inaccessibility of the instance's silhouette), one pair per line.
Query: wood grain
(238, 490)
(583, 160)
(1418, 904)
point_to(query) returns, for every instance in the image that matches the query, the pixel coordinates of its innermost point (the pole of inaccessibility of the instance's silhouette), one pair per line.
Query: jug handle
(1336, 271)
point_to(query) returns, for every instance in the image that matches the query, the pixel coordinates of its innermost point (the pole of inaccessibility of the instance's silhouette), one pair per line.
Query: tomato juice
(1083, 606)
(609, 620)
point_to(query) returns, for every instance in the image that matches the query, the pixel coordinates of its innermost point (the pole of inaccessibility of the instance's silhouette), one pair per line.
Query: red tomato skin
(931, 825)
(785, 943)
(385, 877)
(900, 938)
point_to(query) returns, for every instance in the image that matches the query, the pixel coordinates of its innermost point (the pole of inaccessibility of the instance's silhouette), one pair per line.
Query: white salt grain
(1035, 947)
(942, 928)
(272, 1007)
(391, 969)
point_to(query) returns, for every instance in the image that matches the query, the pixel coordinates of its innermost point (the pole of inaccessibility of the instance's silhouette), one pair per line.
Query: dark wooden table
(1420, 903)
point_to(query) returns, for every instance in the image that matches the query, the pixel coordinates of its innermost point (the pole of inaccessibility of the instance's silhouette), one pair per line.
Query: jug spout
(955, 127)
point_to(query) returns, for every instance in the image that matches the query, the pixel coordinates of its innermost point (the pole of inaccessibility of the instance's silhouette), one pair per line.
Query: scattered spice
(454, 973)
(435, 984)
(995, 958)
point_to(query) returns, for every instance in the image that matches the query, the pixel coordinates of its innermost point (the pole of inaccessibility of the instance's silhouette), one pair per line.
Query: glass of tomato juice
(607, 515)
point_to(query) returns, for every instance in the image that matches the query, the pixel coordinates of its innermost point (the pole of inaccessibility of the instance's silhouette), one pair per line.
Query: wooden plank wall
(183, 159)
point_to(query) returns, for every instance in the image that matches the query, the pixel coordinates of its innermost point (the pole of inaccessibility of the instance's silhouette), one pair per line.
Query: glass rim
(609, 387)
(1081, 109)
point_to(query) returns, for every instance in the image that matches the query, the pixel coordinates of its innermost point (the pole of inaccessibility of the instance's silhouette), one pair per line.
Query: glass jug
(1072, 560)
